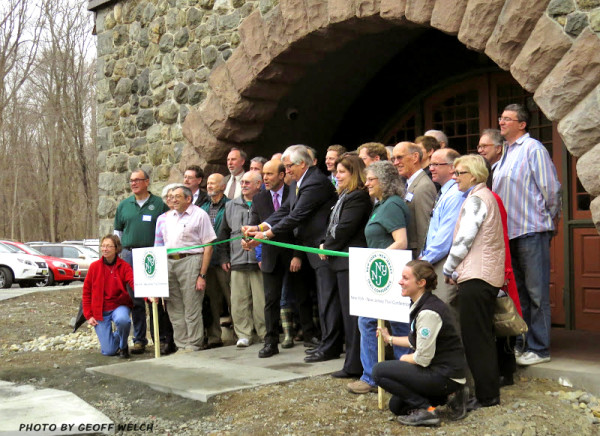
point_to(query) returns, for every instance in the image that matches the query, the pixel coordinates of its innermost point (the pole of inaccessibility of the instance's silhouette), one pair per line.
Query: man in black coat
(306, 213)
(278, 262)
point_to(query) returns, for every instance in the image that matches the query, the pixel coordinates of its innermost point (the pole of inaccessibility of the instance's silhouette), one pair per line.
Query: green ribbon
(266, 241)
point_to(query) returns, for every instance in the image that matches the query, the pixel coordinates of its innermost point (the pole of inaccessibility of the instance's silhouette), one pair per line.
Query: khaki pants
(248, 303)
(185, 302)
(446, 292)
(217, 286)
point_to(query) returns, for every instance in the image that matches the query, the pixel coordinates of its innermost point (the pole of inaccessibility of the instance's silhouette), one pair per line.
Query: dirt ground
(318, 405)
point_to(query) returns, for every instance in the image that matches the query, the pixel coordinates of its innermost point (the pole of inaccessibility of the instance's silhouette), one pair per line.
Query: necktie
(297, 188)
(231, 192)
(276, 201)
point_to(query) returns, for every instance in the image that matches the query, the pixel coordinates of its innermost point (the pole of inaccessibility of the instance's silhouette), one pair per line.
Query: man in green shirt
(135, 224)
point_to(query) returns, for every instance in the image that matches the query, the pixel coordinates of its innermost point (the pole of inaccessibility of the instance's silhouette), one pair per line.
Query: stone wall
(181, 81)
(154, 58)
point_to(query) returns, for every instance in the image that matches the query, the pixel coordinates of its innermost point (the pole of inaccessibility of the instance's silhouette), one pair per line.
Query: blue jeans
(368, 344)
(111, 341)
(138, 313)
(531, 264)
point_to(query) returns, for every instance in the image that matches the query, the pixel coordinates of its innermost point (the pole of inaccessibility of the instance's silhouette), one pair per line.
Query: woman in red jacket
(106, 300)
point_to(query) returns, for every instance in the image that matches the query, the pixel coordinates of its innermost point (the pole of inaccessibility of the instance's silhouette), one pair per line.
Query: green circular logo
(379, 273)
(149, 264)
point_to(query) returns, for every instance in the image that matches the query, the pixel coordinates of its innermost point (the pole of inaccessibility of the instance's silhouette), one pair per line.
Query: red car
(60, 270)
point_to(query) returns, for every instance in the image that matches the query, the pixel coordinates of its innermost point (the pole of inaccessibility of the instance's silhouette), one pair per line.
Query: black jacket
(261, 210)
(350, 230)
(307, 213)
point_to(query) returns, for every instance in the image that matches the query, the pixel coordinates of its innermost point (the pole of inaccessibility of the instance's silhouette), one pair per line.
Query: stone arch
(276, 49)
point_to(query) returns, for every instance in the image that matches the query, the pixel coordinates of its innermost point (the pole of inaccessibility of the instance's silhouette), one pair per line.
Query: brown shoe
(138, 348)
(361, 387)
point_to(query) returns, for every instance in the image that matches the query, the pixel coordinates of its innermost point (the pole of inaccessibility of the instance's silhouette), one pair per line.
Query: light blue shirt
(526, 181)
(443, 220)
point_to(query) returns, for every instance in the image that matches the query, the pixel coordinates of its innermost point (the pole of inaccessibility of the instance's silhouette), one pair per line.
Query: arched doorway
(250, 94)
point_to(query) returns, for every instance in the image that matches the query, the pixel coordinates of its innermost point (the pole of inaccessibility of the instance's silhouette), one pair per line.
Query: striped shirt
(526, 181)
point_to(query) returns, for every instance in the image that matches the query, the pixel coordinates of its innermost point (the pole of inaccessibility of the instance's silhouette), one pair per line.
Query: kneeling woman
(424, 379)
(105, 298)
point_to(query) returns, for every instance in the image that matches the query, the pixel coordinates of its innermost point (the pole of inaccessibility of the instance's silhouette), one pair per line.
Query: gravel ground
(36, 348)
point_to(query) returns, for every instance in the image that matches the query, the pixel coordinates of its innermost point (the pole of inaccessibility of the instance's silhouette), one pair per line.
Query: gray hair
(139, 170)
(495, 136)
(259, 159)
(168, 189)
(254, 176)
(386, 172)
(187, 192)
(439, 135)
(522, 113)
(298, 154)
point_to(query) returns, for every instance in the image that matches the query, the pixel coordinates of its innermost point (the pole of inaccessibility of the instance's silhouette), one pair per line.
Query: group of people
(477, 225)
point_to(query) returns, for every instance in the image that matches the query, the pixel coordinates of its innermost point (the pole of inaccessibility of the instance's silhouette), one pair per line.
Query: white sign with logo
(150, 272)
(374, 288)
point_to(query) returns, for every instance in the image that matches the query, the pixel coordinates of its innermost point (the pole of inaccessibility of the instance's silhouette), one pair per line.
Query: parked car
(18, 267)
(79, 254)
(60, 270)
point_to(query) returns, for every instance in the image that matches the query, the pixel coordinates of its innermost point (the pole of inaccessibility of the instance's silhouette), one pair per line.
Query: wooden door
(586, 278)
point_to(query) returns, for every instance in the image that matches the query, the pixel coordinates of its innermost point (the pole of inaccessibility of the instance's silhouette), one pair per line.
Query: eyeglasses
(289, 166)
(107, 246)
(483, 146)
(372, 179)
(173, 197)
(134, 181)
(505, 119)
(460, 173)
(438, 164)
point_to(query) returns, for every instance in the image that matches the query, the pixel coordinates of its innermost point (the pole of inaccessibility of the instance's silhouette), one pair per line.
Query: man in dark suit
(306, 213)
(277, 262)
(192, 178)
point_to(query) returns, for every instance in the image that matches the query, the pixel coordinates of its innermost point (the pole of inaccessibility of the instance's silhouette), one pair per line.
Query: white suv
(15, 267)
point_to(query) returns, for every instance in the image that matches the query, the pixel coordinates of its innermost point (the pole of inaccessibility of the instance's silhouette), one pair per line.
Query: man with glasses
(420, 193)
(443, 220)
(526, 181)
(135, 224)
(192, 178)
(490, 146)
(187, 226)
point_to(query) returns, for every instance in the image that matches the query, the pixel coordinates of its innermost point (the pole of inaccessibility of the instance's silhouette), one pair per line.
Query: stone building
(182, 81)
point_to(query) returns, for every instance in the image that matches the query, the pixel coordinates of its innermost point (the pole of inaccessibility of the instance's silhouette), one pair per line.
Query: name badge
(147, 218)
(408, 196)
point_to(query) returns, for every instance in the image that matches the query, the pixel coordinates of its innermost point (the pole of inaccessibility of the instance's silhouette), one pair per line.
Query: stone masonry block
(295, 18)
(544, 48)
(341, 10)
(317, 14)
(419, 11)
(282, 73)
(213, 114)
(240, 69)
(448, 14)
(368, 8)
(202, 141)
(393, 10)
(587, 171)
(252, 33)
(515, 23)
(573, 77)
(579, 128)
(274, 25)
(478, 22)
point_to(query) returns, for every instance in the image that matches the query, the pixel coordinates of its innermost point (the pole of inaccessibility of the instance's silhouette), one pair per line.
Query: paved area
(204, 374)
(16, 291)
(27, 410)
(575, 360)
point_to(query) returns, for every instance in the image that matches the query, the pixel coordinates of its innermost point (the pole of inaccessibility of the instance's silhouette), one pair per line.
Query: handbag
(507, 321)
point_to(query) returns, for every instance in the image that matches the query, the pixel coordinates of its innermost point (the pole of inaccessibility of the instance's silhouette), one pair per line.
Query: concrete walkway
(7, 294)
(204, 374)
(27, 410)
